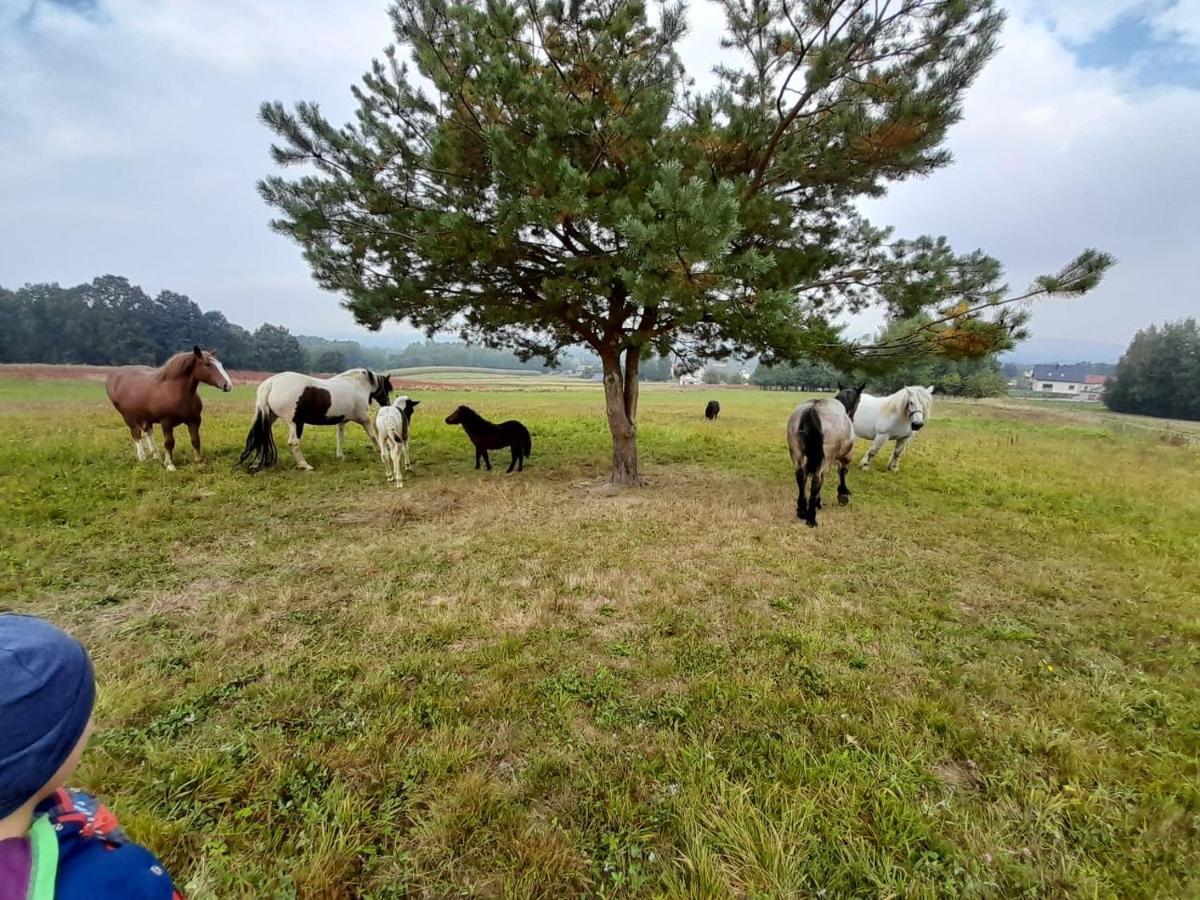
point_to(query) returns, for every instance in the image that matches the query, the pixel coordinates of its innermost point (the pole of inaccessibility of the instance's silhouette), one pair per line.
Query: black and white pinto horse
(304, 400)
(818, 433)
(896, 417)
(392, 424)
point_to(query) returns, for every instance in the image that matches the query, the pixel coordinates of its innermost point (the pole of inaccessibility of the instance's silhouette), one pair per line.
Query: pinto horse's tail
(812, 440)
(260, 450)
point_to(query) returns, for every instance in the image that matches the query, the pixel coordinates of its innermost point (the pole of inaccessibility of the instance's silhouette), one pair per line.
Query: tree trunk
(620, 401)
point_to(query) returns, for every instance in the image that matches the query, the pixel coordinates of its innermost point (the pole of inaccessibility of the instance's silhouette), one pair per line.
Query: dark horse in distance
(487, 436)
(166, 395)
(712, 410)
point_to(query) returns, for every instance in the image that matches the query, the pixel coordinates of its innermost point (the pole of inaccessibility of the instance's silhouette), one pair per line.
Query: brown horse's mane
(177, 366)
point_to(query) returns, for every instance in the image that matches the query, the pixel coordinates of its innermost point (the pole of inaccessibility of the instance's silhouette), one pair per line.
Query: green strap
(44, 870)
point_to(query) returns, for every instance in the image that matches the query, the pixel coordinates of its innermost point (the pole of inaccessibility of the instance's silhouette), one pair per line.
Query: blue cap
(46, 693)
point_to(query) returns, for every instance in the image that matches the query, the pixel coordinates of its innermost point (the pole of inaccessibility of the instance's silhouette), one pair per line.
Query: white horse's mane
(923, 396)
(361, 374)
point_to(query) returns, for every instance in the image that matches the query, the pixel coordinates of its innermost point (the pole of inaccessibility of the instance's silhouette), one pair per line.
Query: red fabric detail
(105, 822)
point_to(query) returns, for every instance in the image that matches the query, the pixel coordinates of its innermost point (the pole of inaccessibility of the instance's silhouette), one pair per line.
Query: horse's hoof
(811, 523)
(843, 499)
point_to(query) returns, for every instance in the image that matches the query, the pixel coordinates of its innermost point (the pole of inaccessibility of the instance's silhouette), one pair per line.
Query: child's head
(46, 695)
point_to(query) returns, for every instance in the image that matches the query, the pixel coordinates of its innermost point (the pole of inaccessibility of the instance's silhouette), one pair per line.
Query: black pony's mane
(469, 415)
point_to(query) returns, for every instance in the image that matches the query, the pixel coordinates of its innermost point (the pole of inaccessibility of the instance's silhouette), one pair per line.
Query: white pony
(303, 400)
(391, 423)
(896, 418)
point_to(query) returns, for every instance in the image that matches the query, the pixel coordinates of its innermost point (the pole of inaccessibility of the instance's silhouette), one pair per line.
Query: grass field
(980, 679)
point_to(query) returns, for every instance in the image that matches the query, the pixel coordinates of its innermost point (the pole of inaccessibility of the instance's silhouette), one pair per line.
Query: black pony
(487, 436)
(712, 410)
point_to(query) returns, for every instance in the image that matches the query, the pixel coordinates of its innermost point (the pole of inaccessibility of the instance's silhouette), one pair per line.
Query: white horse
(893, 418)
(303, 400)
(391, 423)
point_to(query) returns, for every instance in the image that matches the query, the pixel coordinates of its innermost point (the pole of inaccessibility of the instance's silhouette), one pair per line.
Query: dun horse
(818, 432)
(487, 436)
(166, 395)
(303, 400)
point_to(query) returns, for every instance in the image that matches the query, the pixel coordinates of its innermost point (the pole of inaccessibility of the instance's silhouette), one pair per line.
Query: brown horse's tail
(812, 440)
(260, 450)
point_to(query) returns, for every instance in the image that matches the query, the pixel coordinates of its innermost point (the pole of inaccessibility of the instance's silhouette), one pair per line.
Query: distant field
(980, 679)
(1097, 412)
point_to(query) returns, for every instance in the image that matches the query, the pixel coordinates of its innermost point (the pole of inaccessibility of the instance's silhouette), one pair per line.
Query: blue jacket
(96, 861)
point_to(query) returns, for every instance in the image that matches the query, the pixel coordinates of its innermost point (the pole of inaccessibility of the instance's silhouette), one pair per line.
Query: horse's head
(456, 417)
(407, 409)
(849, 397)
(207, 369)
(381, 388)
(918, 401)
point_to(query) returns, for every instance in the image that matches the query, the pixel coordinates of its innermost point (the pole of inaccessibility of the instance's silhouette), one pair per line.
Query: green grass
(980, 679)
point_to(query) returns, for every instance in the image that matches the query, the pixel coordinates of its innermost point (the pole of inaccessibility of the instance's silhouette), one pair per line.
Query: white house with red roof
(1067, 382)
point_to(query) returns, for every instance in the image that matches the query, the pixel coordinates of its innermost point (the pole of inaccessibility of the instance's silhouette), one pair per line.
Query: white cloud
(1078, 21)
(1052, 157)
(1180, 21)
(244, 34)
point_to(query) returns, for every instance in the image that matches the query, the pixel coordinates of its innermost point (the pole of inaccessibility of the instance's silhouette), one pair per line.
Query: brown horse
(166, 395)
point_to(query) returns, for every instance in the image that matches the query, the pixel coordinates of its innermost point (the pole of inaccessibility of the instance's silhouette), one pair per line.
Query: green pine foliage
(1159, 375)
(538, 175)
(951, 375)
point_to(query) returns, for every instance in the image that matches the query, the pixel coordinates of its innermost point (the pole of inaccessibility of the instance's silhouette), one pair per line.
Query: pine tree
(550, 179)
(1159, 375)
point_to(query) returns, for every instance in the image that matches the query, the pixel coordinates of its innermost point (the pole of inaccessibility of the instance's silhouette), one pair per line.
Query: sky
(129, 144)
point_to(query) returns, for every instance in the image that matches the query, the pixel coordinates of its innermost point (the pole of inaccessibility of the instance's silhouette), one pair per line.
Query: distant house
(1093, 386)
(1067, 382)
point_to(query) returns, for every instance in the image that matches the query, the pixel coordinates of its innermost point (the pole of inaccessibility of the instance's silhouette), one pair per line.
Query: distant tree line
(805, 376)
(1159, 375)
(110, 321)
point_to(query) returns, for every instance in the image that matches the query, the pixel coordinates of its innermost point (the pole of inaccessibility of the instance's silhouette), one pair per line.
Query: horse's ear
(371, 375)
(862, 387)
(414, 402)
(196, 350)
(930, 388)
